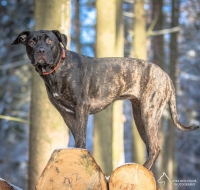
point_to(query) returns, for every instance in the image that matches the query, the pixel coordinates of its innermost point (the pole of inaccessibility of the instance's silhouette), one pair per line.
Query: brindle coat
(83, 85)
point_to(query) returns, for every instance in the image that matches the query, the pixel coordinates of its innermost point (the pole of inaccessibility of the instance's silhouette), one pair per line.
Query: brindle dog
(79, 85)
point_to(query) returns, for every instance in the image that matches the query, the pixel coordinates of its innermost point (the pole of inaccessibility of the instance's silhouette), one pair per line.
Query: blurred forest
(165, 32)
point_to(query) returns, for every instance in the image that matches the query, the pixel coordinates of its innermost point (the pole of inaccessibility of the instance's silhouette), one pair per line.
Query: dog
(78, 85)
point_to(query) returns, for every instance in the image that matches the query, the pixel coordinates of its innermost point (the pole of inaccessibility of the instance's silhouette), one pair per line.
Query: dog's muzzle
(41, 57)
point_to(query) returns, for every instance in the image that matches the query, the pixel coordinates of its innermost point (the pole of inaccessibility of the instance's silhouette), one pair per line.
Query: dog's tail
(173, 111)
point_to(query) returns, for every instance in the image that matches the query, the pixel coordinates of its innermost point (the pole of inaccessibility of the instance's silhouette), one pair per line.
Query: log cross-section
(132, 177)
(72, 169)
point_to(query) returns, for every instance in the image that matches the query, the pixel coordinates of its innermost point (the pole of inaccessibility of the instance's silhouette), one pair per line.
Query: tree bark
(158, 59)
(47, 129)
(171, 137)
(108, 124)
(139, 42)
(139, 51)
(157, 41)
(77, 26)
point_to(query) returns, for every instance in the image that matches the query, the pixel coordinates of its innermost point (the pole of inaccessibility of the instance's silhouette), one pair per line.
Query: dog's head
(43, 47)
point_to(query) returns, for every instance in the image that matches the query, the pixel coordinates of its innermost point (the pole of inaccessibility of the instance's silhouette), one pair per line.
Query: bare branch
(160, 32)
(131, 32)
(13, 119)
(128, 14)
(152, 25)
(165, 31)
(129, 1)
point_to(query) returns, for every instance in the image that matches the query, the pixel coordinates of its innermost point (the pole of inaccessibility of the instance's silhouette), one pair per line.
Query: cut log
(132, 177)
(4, 185)
(72, 169)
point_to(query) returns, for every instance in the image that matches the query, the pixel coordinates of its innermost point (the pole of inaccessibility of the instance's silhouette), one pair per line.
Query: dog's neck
(43, 71)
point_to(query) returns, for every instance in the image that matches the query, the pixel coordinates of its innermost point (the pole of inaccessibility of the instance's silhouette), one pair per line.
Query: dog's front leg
(82, 113)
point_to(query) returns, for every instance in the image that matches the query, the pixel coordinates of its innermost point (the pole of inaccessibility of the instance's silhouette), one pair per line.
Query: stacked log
(72, 169)
(4, 185)
(76, 169)
(132, 177)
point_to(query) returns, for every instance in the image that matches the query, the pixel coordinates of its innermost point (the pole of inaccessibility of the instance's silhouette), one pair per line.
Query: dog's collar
(63, 56)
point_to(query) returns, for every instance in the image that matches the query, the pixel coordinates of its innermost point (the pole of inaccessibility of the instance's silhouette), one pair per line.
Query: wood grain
(132, 177)
(72, 169)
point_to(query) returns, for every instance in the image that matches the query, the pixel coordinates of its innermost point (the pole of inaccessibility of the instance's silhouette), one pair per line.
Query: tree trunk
(171, 138)
(139, 42)
(108, 124)
(158, 41)
(72, 168)
(77, 26)
(139, 51)
(47, 129)
(158, 59)
(132, 176)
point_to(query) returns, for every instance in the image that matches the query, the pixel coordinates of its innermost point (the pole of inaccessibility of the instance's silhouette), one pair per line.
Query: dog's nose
(41, 50)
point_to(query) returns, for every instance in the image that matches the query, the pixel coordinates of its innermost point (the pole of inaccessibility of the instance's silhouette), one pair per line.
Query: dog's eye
(49, 41)
(31, 42)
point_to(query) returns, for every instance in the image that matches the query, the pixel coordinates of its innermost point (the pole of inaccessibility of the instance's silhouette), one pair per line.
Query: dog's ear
(61, 37)
(21, 38)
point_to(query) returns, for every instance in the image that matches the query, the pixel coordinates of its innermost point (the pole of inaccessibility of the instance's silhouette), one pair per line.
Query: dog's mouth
(41, 60)
(43, 64)
(45, 69)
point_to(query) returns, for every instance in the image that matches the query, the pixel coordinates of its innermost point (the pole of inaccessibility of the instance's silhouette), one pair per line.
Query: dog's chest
(62, 103)
(58, 97)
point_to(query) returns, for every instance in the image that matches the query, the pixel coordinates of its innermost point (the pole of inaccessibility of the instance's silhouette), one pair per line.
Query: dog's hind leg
(137, 117)
(151, 111)
(152, 144)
